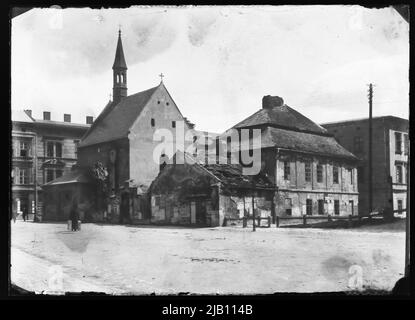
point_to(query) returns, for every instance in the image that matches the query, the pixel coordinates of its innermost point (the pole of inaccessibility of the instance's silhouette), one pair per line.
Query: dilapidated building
(205, 194)
(312, 172)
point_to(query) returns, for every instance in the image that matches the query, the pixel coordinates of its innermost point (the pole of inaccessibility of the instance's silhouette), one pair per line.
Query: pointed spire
(119, 61)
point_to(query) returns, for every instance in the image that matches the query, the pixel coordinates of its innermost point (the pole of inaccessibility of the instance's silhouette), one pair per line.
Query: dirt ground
(169, 260)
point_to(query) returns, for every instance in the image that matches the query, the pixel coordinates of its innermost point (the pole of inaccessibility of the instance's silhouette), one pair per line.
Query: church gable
(160, 112)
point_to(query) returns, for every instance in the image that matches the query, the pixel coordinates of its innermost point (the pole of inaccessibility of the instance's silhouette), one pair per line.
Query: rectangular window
(406, 144)
(173, 124)
(58, 150)
(321, 207)
(350, 175)
(309, 207)
(398, 142)
(24, 149)
(54, 149)
(319, 173)
(400, 206)
(307, 171)
(67, 117)
(335, 174)
(76, 143)
(357, 144)
(286, 170)
(336, 207)
(49, 149)
(46, 115)
(153, 122)
(288, 206)
(399, 176)
(23, 176)
(49, 175)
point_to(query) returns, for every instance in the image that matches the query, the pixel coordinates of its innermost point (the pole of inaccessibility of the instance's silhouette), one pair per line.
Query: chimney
(46, 115)
(67, 117)
(269, 102)
(28, 112)
(89, 120)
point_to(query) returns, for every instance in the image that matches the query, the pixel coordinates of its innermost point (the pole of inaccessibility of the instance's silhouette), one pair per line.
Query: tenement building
(390, 150)
(42, 150)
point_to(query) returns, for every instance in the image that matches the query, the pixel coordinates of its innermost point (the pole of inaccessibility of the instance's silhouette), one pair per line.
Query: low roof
(75, 176)
(231, 175)
(281, 116)
(118, 119)
(305, 142)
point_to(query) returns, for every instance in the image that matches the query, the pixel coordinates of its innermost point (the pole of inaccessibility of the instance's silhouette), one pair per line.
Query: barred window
(335, 174)
(319, 173)
(399, 176)
(336, 207)
(309, 207)
(286, 170)
(398, 142)
(307, 171)
(406, 144)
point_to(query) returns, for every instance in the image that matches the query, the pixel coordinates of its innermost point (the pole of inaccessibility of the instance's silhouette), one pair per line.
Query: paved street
(168, 260)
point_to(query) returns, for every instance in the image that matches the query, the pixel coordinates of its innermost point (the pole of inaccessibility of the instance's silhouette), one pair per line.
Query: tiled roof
(305, 142)
(281, 116)
(231, 175)
(75, 176)
(116, 120)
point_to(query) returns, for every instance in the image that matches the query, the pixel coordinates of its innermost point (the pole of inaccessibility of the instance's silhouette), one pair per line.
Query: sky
(218, 62)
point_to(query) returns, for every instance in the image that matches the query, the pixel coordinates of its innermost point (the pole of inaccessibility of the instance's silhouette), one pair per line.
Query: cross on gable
(161, 75)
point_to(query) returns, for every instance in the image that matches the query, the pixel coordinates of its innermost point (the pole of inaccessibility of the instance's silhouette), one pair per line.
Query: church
(115, 157)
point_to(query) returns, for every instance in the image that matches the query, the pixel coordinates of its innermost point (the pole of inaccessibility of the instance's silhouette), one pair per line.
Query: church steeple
(119, 73)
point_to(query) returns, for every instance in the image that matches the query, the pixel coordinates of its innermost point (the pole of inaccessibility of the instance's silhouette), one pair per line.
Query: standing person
(24, 209)
(74, 216)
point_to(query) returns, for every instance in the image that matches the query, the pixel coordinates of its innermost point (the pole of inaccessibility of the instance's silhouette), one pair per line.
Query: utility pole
(253, 207)
(408, 214)
(370, 96)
